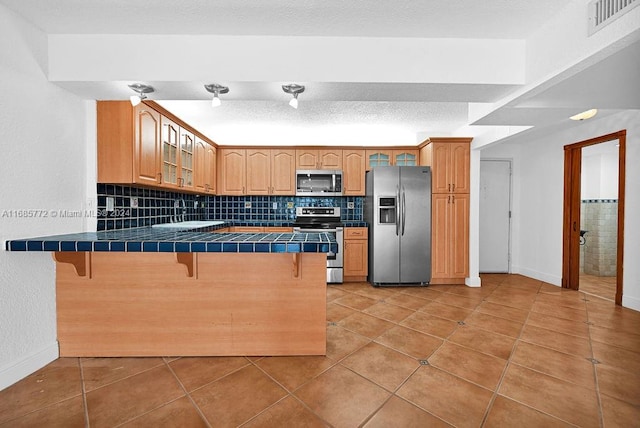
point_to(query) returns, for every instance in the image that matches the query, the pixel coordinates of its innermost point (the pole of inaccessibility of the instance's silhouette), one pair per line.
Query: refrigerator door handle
(404, 210)
(397, 210)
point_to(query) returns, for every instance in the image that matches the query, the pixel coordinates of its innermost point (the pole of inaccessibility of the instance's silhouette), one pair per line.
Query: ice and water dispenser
(387, 210)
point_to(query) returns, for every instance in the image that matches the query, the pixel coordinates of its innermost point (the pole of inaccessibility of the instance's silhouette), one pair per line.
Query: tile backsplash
(157, 206)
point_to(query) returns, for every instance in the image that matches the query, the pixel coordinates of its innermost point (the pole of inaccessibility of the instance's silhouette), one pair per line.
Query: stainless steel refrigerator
(397, 207)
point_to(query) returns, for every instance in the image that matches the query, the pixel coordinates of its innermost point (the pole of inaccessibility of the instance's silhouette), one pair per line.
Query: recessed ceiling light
(585, 114)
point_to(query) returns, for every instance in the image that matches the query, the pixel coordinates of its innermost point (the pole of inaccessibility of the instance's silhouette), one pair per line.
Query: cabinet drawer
(355, 233)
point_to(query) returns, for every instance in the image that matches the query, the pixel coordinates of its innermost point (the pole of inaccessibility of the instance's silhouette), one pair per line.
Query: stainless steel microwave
(318, 182)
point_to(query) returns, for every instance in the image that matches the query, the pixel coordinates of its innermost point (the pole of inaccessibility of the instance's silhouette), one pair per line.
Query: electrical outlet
(247, 204)
(111, 202)
(133, 202)
(275, 205)
(289, 205)
(350, 205)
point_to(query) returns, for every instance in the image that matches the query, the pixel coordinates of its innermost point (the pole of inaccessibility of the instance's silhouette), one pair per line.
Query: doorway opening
(593, 230)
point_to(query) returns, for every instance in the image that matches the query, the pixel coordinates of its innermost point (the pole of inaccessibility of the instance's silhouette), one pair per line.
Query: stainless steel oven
(324, 219)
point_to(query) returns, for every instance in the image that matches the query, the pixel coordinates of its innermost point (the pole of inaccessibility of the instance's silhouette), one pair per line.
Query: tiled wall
(599, 218)
(157, 206)
(154, 206)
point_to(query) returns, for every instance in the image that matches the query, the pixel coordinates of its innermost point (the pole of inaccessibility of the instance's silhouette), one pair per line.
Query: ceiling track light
(294, 90)
(141, 91)
(216, 90)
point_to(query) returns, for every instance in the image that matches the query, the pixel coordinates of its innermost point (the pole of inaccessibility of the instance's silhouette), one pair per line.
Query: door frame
(510, 161)
(571, 216)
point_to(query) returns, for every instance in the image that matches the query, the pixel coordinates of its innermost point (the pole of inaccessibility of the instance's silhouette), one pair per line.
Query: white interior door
(495, 215)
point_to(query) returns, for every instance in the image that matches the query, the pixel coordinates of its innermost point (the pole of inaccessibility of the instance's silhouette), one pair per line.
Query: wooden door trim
(571, 189)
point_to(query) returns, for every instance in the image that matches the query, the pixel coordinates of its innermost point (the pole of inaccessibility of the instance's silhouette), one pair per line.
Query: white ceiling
(385, 113)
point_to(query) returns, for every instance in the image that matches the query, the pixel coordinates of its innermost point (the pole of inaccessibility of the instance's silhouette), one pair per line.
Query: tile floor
(515, 352)
(601, 286)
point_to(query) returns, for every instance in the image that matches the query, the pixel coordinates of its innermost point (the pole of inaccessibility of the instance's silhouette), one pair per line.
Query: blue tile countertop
(147, 239)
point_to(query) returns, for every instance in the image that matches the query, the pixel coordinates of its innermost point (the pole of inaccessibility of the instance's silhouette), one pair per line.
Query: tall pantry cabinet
(449, 159)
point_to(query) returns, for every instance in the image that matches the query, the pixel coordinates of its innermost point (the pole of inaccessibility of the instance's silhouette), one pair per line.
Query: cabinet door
(170, 152)
(353, 162)
(307, 159)
(355, 257)
(258, 172)
(210, 169)
(204, 166)
(440, 181)
(232, 171)
(459, 167)
(378, 158)
(330, 159)
(459, 223)
(200, 153)
(147, 144)
(405, 157)
(283, 172)
(440, 235)
(187, 147)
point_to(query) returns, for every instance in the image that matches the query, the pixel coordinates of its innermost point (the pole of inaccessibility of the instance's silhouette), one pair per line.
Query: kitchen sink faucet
(177, 218)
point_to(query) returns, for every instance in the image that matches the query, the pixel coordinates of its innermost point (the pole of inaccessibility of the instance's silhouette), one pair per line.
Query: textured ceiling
(509, 19)
(334, 112)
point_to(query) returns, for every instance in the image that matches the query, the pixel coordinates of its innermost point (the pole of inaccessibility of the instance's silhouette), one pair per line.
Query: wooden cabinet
(389, 157)
(318, 159)
(258, 171)
(170, 144)
(356, 254)
(231, 171)
(205, 166)
(128, 143)
(450, 238)
(247, 229)
(283, 172)
(353, 176)
(450, 167)
(145, 145)
(266, 172)
(449, 159)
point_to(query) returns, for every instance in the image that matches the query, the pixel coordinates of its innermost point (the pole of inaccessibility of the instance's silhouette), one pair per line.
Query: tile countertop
(147, 239)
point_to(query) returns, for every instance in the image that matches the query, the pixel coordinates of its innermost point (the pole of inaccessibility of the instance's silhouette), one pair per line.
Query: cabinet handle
(453, 199)
(159, 178)
(454, 186)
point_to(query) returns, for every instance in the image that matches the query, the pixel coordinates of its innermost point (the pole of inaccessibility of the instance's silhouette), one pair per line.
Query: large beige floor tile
(288, 412)
(291, 372)
(411, 342)
(564, 400)
(341, 397)
(195, 372)
(508, 413)
(399, 413)
(456, 401)
(236, 398)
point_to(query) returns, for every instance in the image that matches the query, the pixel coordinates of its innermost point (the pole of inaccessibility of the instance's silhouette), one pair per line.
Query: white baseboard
(542, 276)
(15, 371)
(473, 281)
(631, 302)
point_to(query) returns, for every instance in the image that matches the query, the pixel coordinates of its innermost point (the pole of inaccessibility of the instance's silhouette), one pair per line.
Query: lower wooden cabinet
(258, 229)
(356, 254)
(449, 238)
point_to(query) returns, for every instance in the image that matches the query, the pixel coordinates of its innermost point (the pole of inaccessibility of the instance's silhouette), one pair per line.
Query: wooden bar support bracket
(80, 260)
(187, 260)
(296, 265)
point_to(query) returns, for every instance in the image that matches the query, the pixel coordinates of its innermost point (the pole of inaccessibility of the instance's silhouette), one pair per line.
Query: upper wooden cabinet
(318, 159)
(128, 143)
(283, 172)
(353, 179)
(142, 145)
(449, 159)
(264, 171)
(231, 171)
(205, 166)
(388, 157)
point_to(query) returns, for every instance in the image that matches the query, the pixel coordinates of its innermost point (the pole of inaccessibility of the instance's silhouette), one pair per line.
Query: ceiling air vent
(604, 12)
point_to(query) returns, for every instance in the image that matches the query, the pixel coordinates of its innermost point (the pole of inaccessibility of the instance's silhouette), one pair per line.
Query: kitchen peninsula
(146, 292)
